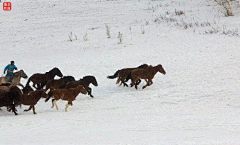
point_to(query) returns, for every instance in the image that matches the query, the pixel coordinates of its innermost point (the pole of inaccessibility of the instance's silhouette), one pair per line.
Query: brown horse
(16, 78)
(32, 98)
(85, 81)
(124, 74)
(41, 79)
(66, 94)
(56, 84)
(147, 74)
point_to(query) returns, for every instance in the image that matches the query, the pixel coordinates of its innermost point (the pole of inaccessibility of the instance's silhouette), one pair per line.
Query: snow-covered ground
(196, 102)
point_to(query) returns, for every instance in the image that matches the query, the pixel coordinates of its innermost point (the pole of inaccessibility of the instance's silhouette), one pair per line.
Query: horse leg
(148, 83)
(52, 103)
(133, 81)
(28, 109)
(124, 83)
(14, 109)
(33, 109)
(90, 92)
(68, 104)
(55, 103)
(137, 83)
(120, 84)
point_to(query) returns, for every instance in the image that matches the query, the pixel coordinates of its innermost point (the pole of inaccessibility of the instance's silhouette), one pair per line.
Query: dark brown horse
(147, 74)
(124, 74)
(66, 94)
(41, 79)
(85, 81)
(8, 99)
(56, 84)
(32, 98)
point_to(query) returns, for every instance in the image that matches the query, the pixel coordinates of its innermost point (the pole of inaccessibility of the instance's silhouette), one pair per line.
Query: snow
(196, 102)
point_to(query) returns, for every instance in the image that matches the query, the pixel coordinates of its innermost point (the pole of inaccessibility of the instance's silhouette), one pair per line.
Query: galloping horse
(41, 79)
(32, 98)
(124, 74)
(8, 99)
(85, 81)
(66, 94)
(56, 84)
(147, 74)
(16, 78)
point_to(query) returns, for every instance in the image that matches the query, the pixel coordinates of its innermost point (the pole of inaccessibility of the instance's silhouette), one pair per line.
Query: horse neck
(17, 75)
(50, 75)
(85, 82)
(154, 70)
(76, 91)
(17, 78)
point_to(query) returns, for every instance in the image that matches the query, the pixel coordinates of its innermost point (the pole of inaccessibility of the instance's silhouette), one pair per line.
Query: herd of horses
(66, 88)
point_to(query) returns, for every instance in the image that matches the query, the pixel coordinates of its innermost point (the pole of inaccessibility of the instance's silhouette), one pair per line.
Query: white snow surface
(197, 102)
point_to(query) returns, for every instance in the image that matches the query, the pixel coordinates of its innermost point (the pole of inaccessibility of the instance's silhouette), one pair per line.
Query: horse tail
(49, 96)
(114, 76)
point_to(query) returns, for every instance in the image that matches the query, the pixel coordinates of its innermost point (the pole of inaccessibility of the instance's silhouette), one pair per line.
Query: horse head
(56, 71)
(160, 69)
(23, 74)
(91, 79)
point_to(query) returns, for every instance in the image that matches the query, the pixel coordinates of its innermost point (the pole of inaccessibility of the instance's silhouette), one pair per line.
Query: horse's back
(141, 72)
(73, 84)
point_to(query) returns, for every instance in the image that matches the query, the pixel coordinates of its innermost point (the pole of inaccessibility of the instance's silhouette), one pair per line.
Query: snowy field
(197, 102)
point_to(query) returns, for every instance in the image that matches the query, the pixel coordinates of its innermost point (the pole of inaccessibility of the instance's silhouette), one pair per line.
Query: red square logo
(7, 6)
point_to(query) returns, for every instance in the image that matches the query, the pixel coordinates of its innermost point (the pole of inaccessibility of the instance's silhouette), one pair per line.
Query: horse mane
(142, 66)
(55, 68)
(68, 77)
(88, 77)
(16, 73)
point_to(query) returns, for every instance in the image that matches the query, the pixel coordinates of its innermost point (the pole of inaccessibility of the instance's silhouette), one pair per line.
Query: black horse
(85, 81)
(8, 99)
(41, 79)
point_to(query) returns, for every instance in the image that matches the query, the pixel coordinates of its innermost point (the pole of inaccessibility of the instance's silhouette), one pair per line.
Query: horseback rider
(10, 68)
